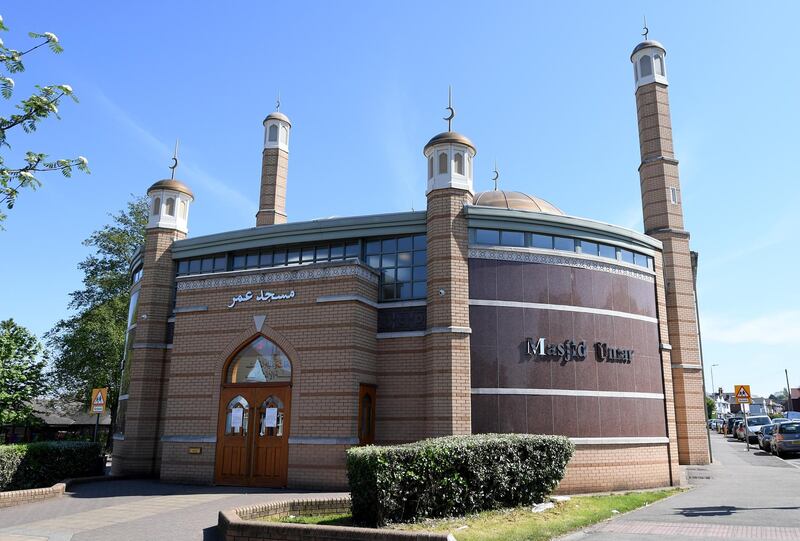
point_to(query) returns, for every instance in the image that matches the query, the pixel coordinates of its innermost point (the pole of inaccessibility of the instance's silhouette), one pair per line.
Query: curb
(13, 498)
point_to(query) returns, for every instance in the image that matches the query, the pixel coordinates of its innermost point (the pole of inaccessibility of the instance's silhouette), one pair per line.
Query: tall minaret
(449, 158)
(274, 169)
(663, 219)
(139, 452)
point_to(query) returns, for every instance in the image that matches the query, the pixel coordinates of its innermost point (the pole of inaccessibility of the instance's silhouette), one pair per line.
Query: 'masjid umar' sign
(569, 350)
(266, 296)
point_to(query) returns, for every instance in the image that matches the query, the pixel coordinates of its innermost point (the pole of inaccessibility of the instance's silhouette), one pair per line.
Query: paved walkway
(742, 496)
(134, 510)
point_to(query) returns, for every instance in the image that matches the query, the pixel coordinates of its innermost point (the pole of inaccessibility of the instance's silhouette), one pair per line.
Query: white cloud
(190, 170)
(777, 328)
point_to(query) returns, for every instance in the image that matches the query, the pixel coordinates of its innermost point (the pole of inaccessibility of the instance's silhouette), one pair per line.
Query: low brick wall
(19, 497)
(11, 498)
(240, 524)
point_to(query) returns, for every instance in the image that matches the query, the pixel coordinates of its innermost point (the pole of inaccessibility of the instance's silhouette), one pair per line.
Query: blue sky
(544, 88)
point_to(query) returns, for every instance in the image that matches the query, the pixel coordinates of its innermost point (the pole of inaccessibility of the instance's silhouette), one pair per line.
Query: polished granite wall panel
(500, 359)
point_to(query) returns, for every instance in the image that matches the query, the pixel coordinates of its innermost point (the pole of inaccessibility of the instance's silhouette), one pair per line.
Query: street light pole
(713, 387)
(788, 390)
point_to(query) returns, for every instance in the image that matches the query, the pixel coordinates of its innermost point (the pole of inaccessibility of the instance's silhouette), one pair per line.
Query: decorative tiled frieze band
(189, 439)
(565, 392)
(273, 276)
(526, 255)
(316, 440)
(561, 308)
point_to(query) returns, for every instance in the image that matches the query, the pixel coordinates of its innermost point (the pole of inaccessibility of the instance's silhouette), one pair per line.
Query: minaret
(449, 158)
(274, 169)
(139, 452)
(663, 219)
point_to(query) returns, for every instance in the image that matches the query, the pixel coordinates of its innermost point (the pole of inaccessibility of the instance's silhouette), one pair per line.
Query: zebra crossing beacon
(258, 356)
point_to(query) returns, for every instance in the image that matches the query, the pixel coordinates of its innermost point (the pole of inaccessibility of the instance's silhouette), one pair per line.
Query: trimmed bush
(43, 464)
(453, 476)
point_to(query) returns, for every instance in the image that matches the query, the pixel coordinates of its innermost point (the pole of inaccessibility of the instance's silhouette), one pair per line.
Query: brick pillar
(447, 342)
(138, 453)
(272, 201)
(663, 220)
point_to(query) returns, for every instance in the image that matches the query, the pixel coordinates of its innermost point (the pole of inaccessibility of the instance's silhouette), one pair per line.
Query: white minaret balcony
(649, 65)
(276, 131)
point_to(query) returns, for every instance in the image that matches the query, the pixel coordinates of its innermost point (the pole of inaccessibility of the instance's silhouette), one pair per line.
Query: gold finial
(496, 175)
(645, 30)
(452, 114)
(174, 160)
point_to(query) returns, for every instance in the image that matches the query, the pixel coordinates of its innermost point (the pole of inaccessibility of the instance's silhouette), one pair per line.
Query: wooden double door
(253, 436)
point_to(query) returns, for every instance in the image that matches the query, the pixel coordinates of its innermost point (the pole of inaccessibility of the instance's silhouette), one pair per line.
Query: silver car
(786, 439)
(754, 425)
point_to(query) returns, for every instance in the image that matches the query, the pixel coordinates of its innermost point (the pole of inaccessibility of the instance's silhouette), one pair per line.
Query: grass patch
(521, 525)
(518, 524)
(335, 519)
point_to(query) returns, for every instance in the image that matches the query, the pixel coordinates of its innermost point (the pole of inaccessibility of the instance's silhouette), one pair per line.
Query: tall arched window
(156, 206)
(635, 72)
(261, 361)
(430, 167)
(659, 64)
(284, 135)
(182, 206)
(443, 163)
(170, 206)
(646, 66)
(469, 166)
(273, 134)
(459, 163)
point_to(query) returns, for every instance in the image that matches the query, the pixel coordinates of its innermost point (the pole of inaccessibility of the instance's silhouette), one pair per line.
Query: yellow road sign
(743, 394)
(99, 397)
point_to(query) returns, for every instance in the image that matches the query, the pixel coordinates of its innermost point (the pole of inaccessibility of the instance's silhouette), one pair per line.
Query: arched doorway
(253, 427)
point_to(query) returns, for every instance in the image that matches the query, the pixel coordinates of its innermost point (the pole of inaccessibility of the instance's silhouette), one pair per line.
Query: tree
(711, 407)
(88, 347)
(21, 373)
(42, 104)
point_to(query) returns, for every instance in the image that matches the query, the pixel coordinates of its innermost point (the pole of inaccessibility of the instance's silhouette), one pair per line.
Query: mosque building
(256, 357)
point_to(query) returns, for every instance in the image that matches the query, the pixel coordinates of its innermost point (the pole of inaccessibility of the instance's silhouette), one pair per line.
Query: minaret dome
(169, 205)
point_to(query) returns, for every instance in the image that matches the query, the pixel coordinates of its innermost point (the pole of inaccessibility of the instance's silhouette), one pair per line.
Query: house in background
(60, 420)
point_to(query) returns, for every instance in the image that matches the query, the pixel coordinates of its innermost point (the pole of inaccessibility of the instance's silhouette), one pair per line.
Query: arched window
(430, 167)
(183, 209)
(170, 206)
(156, 206)
(261, 361)
(273, 134)
(659, 64)
(635, 72)
(284, 135)
(366, 414)
(237, 416)
(459, 163)
(270, 417)
(646, 66)
(469, 166)
(442, 163)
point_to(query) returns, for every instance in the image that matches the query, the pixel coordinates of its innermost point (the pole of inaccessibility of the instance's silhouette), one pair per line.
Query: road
(741, 496)
(133, 510)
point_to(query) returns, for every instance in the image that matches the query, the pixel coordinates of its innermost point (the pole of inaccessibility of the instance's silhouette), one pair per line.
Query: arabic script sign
(266, 296)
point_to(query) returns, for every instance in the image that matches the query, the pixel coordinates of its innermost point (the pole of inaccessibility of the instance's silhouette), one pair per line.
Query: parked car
(780, 420)
(786, 439)
(765, 438)
(754, 426)
(731, 422)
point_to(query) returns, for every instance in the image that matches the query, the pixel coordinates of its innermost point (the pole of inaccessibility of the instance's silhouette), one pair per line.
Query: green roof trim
(327, 229)
(570, 226)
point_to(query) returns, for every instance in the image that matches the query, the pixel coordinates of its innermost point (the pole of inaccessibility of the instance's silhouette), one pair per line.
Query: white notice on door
(236, 418)
(271, 417)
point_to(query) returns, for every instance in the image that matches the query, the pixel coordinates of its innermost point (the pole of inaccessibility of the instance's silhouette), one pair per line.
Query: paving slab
(128, 510)
(741, 496)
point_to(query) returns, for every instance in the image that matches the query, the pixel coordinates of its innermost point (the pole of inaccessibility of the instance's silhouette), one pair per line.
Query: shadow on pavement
(152, 487)
(725, 510)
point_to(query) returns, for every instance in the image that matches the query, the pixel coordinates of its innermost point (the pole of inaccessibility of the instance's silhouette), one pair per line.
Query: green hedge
(453, 476)
(42, 464)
